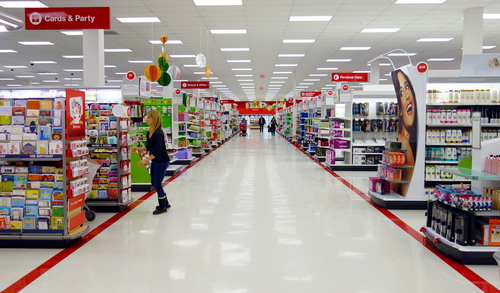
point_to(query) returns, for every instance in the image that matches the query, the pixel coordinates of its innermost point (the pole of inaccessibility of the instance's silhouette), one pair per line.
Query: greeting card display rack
(108, 140)
(43, 185)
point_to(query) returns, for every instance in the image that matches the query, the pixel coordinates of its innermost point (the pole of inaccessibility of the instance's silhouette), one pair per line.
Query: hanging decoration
(159, 72)
(208, 72)
(174, 72)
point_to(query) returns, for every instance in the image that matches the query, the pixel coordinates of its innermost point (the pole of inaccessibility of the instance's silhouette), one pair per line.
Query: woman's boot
(162, 206)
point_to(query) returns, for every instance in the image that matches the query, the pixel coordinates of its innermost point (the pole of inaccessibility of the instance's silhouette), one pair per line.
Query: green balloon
(165, 79)
(162, 61)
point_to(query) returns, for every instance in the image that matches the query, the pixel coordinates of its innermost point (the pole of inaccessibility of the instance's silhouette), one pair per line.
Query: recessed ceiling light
(285, 65)
(48, 73)
(109, 66)
(36, 43)
(234, 49)
(355, 48)
(169, 42)
(361, 71)
(277, 81)
(282, 72)
(74, 78)
(243, 75)
(420, 1)
(74, 70)
(217, 2)
(247, 87)
(245, 80)
(117, 50)
(440, 59)
(279, 77)
(8, 51)
(43, 62)
(201, 72)
(115, 80)
(72, 33)
(327, 88)
(382, 79)
(236, 61)
(183, 56)
(190, 65)
(298, 41)
(71, 84)
(291, 55)
(140, 61)
(14, 84)
(73, 56)
(137, 19)
(229, 32)
(434, 39)
(318, 74)
(401, 54)
(33, 83)
(25, 76)
(306, 83)
(311, 18)
(338, 60)
(210, 77)
(218, 85)
(22, 4)
(214, 82)
(311, 79)
(327, 68)
(247, 84)
(6, 78)
(15, 66)
(302, 87)
(380, 30)
(50, 80)
(491, 16)
(488, 47)
(241, 69)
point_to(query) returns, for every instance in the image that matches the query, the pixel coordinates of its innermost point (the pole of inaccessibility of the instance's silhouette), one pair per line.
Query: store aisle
(256, 215)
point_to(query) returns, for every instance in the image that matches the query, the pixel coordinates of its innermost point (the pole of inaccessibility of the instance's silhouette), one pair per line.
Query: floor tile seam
(463, 270)
(27, 279)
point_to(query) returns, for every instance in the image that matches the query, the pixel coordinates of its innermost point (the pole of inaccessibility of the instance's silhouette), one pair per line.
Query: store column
(93, 57)
(375, 72)
(473, 31)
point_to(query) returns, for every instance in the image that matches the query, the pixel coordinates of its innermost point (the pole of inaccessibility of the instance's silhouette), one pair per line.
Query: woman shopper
(158, 155)
(272, 125)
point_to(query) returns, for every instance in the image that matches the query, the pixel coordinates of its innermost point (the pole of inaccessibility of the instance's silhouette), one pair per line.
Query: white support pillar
(93, 57)
(375, 72)
(473, 31)
(168, 91)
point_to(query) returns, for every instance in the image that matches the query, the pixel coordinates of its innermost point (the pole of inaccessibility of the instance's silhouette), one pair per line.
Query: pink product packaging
(340, 144)
(336, 124)
(337, 133)
(330, 157)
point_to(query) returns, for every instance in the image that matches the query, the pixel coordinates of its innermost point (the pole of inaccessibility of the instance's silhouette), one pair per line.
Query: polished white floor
(256, 215)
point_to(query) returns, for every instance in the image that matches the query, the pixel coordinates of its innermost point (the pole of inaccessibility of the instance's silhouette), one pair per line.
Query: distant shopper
(262, 122)
(272, 126)
(158, 155)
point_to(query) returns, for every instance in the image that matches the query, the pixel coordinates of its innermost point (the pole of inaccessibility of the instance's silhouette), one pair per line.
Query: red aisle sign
(67, 18)
(177, 91)
(130, 75)
(309, 94)
(422, 67)
(195, 85)
(330, 93)
(345, 87)
(350, 77)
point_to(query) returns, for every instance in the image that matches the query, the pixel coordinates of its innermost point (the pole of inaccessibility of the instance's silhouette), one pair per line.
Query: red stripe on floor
(56, 259)
(470, 275)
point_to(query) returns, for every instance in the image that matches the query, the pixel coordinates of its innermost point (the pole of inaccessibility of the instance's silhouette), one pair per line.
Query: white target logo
(35, 18)
(336, 77)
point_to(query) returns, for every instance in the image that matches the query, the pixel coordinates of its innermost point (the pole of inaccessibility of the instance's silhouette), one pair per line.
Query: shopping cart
(243, 129)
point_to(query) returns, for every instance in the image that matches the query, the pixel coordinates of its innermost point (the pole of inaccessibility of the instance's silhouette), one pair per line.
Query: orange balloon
(152, 72)
(163, 39)
(208, 72)
(164, 55)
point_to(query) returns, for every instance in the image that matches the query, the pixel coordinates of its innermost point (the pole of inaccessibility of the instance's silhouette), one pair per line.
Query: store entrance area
(256, 215)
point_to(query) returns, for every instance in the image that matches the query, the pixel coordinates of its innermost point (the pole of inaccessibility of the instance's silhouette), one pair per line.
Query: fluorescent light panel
(291, 55)
(434, 39)
(183, 56)
(318, 74)
(380, 30)
(138, 19)
(234, 49)
(36, 43)
(43, 62)
(48, 73)
(117, 50)
(243, 75)
(491, 16)
(327, 68)
(440, 59)
(420, 1)
(338, 60)
(140, 61)
(217, 2)
(401, 54)
(298, 41)
(73, 56)
(245, 80)
(311, 18)
(72, 33)
(488, 47)
(8, 51)
(169, 42)
(74, 70)
(15, 66)
(241, 69)
(312, 79)
(282, 72)
(6, 78)
(355, 48)
(22, 4)
(25, 76)
(285, 65)
(238, 61)
(229, 32)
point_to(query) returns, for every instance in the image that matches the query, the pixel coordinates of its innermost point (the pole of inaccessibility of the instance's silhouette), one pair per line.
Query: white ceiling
(267, 24)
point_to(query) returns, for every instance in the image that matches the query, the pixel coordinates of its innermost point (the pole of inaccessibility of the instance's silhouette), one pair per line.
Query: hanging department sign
(67, 18)
(195, 85)
(309, 94)
(350, 77)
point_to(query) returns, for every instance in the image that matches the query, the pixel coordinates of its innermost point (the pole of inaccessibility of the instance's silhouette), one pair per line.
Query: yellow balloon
(208, 72)
(152, 72)
(163, 39)
(164, 55)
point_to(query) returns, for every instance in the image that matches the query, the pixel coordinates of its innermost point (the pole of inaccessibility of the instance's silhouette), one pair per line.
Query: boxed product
(394, 174)
(358, 150)
(487, 234)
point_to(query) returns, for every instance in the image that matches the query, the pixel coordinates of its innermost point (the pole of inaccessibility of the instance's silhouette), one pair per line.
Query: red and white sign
(67, 18)
(330, 93)
(177, 91)
(309, 94)
(75, 114)
(345, 87)
(195, 85)
(350, 77)
(130, 75)
(422, 67)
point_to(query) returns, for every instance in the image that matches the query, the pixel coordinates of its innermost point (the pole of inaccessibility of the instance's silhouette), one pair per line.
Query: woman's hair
(155, 115)
(413, 129)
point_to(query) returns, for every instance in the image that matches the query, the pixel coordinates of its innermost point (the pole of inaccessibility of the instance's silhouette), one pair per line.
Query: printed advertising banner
(410, 88)
(75, 114)
(67, 18)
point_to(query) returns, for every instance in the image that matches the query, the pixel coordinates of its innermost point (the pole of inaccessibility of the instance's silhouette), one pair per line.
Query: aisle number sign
(67, 18)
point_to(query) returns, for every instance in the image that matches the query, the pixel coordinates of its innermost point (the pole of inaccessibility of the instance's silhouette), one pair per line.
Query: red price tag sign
(345, 87)
(177, 91)
(422, 67)
(130, 75)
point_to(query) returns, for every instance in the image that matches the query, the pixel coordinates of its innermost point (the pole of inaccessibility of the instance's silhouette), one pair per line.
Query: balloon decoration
(160, 72)
(208, 72)
(174, 72)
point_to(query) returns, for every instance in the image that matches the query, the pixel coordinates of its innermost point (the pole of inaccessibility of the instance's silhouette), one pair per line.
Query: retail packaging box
(358, 150)
(487, 234)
